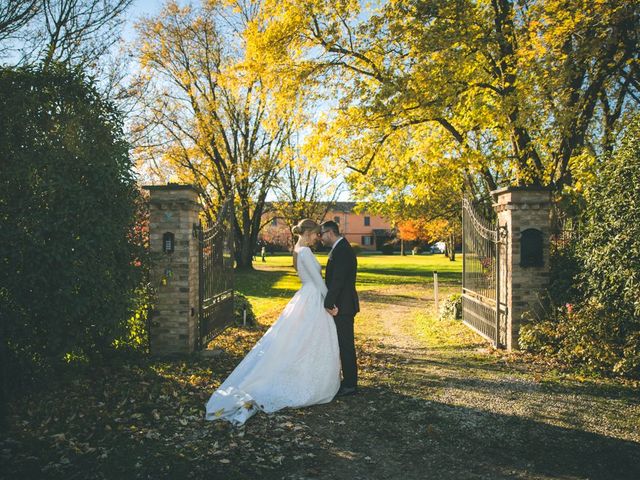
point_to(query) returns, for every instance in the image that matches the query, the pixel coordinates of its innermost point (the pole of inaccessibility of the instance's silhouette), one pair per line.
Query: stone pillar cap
(171, 186)
(517, 188)
(517, 194)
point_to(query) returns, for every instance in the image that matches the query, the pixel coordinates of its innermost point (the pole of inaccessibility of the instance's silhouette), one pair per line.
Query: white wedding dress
(296, 363)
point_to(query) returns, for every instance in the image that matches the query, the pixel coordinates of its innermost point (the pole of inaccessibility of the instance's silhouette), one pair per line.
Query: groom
(342, 300)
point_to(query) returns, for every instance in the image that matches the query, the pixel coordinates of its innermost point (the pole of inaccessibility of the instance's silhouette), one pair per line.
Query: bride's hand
(332, 311)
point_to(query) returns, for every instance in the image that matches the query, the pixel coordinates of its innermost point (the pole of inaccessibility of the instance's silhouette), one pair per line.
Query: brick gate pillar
(524, 262)
(173, 213)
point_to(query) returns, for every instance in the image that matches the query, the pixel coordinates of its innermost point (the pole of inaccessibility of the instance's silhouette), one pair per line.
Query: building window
(274, 221)
(367, 241)
(367, 221)
(336, 219)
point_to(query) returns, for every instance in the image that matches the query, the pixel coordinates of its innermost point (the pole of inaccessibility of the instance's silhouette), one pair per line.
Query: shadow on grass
(381, 297)
(379, 433)
(410, 438)
(465, 372)
(142, 420)
(261, 283)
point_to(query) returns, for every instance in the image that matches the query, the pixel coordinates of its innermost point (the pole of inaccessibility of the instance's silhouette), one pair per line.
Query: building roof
(345, 207)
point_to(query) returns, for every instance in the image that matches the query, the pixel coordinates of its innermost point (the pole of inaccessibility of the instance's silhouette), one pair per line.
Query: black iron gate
(483, 304)
(216, 280)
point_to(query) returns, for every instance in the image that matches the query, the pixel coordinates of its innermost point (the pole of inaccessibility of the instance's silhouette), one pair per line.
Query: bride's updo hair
(306, 225)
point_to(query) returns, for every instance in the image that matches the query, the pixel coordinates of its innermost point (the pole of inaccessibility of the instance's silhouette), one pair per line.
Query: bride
(297, 361)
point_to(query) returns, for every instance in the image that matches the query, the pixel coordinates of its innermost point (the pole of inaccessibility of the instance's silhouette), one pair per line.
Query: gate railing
(215, 281)
(482, 308)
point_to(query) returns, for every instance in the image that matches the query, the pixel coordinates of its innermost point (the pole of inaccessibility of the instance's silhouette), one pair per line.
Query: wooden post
(435, 291)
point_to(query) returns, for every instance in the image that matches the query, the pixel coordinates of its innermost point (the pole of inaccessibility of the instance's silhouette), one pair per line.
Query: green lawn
(274, 282)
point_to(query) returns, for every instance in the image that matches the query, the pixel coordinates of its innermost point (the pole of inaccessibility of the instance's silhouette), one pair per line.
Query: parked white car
(438, 247)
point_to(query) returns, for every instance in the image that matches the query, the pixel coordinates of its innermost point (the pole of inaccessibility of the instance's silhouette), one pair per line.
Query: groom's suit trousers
(344, 327)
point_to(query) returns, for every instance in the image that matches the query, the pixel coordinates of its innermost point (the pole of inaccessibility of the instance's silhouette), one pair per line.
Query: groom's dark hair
(331, 225)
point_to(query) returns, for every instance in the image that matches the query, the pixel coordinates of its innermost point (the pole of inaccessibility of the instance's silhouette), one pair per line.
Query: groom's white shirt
(334, 245)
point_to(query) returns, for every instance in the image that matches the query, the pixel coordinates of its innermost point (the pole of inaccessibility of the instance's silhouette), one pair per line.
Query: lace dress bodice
(309, 270)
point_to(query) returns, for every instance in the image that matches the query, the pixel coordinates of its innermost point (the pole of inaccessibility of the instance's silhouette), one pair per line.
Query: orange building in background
(369, 231)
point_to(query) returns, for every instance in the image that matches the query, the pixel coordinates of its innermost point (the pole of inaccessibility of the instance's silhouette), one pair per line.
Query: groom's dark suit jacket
(340, 278)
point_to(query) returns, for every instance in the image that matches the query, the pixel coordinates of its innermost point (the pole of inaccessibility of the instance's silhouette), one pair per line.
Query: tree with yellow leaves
(207, 119)
(466, 93)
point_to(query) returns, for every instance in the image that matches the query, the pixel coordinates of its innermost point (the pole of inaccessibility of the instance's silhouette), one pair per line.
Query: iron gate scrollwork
(483, 295)
(216, 282)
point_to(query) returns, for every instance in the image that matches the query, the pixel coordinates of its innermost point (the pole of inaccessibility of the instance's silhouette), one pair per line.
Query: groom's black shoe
(344, 391)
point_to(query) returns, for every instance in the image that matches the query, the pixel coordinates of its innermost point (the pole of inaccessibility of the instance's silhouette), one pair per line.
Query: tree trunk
(450, 247)
(244, 255)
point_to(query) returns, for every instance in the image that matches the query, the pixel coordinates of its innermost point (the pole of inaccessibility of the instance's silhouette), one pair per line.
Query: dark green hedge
(69, 255)
(241, 304)
(594, 318)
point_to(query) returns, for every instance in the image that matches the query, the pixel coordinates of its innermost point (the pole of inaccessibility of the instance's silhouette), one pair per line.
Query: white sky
(138, 9)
